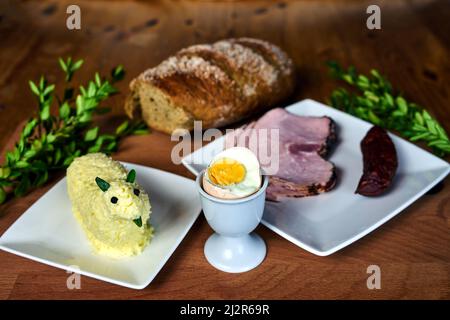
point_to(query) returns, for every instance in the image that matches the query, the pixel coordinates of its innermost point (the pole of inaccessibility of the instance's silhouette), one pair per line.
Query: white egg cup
(234, 247)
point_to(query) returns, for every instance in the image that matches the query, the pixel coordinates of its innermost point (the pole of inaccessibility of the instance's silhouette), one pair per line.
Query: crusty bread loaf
(218, 84)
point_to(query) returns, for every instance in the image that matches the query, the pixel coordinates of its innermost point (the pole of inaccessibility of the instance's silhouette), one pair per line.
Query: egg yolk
(225, 171)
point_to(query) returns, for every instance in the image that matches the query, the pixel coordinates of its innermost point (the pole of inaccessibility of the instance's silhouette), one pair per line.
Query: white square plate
(48, 232)
(328, 222)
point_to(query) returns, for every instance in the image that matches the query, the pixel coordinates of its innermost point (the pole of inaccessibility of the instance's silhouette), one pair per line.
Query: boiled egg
(232, 174)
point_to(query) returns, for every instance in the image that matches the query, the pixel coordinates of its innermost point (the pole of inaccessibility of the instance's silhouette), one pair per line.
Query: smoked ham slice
(303, 141)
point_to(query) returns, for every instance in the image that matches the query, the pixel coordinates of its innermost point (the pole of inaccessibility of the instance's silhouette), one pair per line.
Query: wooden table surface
(412, 49)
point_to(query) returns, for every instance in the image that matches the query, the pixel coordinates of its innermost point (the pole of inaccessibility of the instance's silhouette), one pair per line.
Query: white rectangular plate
(328, 222)
(48, 232)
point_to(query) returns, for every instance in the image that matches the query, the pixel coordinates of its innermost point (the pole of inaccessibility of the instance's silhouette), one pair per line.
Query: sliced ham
(303, 141)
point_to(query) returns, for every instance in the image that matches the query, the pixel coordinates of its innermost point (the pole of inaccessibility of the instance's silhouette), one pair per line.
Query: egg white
(249, 185)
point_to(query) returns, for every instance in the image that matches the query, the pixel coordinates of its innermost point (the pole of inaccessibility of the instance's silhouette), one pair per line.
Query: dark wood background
(412, 49)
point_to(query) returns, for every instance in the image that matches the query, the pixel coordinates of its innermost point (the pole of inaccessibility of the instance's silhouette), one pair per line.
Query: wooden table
(412, 49)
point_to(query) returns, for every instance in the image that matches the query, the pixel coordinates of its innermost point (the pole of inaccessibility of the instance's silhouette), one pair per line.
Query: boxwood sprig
(50, 142)
(373, 99)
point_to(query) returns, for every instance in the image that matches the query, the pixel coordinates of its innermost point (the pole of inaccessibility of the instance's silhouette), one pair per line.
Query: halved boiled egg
(234, 173)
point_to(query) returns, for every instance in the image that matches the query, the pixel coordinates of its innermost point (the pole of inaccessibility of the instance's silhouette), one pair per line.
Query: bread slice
(218, 84)
(157, 108)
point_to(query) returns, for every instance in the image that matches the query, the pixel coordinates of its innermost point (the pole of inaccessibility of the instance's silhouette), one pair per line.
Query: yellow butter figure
(111, 207)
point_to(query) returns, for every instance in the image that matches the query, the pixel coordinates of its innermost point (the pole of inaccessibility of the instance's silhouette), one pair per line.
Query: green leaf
(102, 184)
(21, 145)
(16, 154)
(91, 89)
(45, 113)
(402, 105)
(107, 137)
(121, 129)
(138, 222)
(118, 73)
(49, 89)
(58, 155)
(389, 99)
(438, 142)
(418, 128)
(89, 103)
(42, 83)
(347, 78)
(426, 115)
(29, 154)
(112, 146)
(23, 186)
(77, 65)
(419, 118)
(51, 138)
(374, 118)
(98, 81)
(140, 132)
(85, 117)
(34, 88)
(397, 113)
(91, 134)
(50, 148)
(430, 126)
(94, 148)
(10, 157)
(363, 79)
(371, 96)
(375, 74)
(5, 172)
(82, 90)
(29, 127)
(22, 164)
(36, 145)
(68, 161)
(64, 111)
(2, 195)
(131, 177)
(41, 179)
(69, 67)
(420, 136)
(63, 64)
(441, 132)
(79, 102)
(72, 146)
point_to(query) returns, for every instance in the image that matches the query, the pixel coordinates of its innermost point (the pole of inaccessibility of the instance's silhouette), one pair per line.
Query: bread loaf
(218, 84)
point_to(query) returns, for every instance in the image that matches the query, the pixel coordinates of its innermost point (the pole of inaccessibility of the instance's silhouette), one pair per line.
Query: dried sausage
(379, 162)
